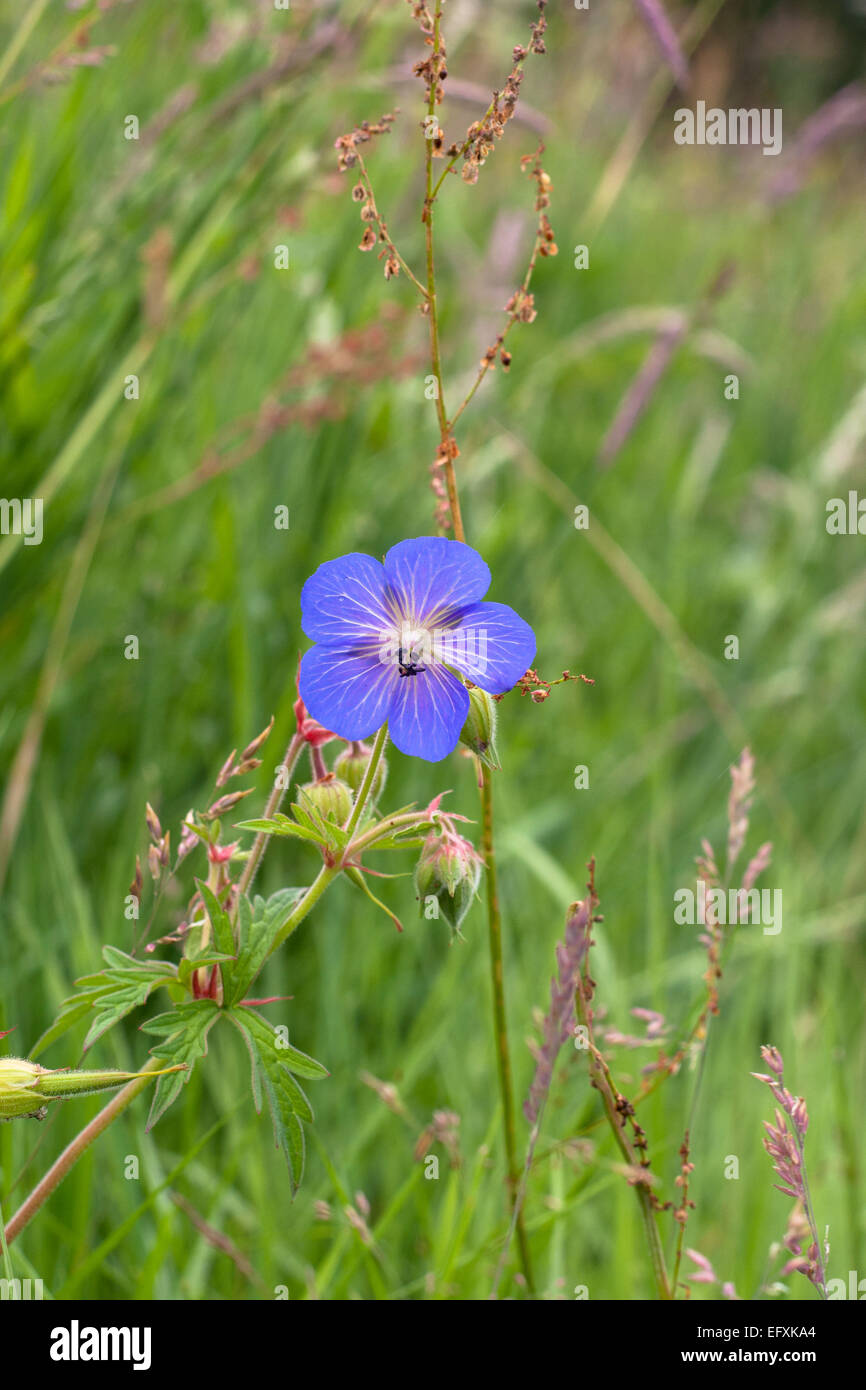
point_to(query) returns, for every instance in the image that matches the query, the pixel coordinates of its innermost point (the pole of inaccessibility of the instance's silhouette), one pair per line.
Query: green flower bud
(16, 1080)
(352, 766)
(448, 872)
(479, 731)
(331, 798)
(25, 1086)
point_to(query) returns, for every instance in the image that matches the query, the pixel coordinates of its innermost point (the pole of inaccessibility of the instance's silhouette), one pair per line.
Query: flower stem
(493, 917)
(71, 1154)
(323, 880)
(260, 844)
(383, 828)
(500, 1022)
(367, 783)
(433, 307)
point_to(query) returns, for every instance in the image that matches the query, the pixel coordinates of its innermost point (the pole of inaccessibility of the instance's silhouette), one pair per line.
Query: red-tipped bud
(448, 871)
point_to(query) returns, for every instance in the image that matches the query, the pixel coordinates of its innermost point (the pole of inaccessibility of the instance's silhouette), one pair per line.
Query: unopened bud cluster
(449, 870)
(332, 792)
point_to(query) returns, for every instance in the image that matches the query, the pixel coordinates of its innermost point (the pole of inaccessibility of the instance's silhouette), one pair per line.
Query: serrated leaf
(185, 1030)
(245, 921)
(270, 1043)
(259, 925)
(328, 833)
(280, 826)
(288, 1131)
(298, 1101)
(271, 1065)
(114, 1005)
(119, 960)
(255, 1063)
(126, 985)
(223, 935)
(91, 981)
(303, 814)
(76, 1007)
(290, 830)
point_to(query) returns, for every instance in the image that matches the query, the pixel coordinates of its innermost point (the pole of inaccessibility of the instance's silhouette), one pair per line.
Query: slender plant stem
(678, 1257)
(432, 304)
(280, 787)
(368, 188)
(71, 1154)
(810, 1214)
(364, 790)
(602, 1079)
(493, 917)
(517, 1209)
(500, 1022)
(7, 1263)
(386, 827)
(323, 880)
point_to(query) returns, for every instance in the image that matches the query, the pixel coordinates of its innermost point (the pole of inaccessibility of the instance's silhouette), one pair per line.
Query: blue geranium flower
(388, 635)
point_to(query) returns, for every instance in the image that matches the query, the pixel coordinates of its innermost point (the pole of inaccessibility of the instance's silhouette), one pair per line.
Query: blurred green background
(155, 258)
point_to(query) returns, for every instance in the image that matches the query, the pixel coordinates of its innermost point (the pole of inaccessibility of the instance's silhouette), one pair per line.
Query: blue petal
(348, 693)
(345, 601)
(428, 712)
(432, 576)
(492, 646)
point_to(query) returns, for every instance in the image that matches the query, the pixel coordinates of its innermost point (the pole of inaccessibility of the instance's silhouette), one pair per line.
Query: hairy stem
(390, 825)
(323, 880)
(493, 917)
(274, 801)
(500, 1023)
(364, 791)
